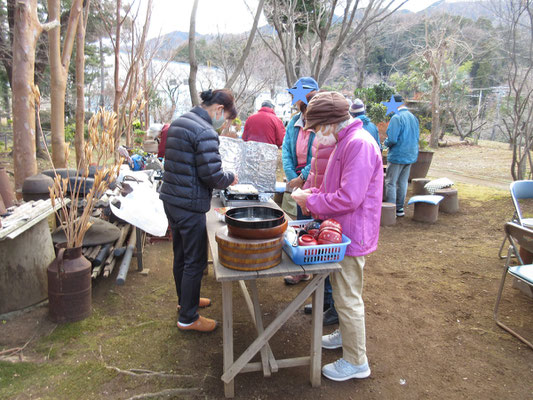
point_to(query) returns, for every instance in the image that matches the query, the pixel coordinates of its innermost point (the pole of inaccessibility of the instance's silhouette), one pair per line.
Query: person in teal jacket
(296, 151)
(357, 110)
(402, 140)
(296, 154)
(288, 152)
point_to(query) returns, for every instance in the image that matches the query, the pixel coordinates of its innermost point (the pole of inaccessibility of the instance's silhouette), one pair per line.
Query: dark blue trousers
(189, 242)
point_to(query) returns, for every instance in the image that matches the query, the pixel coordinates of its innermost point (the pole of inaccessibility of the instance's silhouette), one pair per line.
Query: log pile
(104, 258)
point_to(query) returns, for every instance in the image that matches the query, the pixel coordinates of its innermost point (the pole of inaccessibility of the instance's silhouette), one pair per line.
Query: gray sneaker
(342, 370)
(332, 341)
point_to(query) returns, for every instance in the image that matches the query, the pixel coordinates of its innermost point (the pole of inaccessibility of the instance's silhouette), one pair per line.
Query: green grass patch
(53, 380)
(478, 195)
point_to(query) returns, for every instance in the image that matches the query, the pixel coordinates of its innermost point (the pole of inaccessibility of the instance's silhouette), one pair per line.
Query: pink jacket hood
(352, 189)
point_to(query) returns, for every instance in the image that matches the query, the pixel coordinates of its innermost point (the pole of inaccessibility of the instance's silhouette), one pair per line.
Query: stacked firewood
(104, 257)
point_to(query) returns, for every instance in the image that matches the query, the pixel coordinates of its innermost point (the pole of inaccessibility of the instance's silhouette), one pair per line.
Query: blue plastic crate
(322, 253)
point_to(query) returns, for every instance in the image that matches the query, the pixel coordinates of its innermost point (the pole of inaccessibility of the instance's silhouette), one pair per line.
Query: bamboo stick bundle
(111, 259)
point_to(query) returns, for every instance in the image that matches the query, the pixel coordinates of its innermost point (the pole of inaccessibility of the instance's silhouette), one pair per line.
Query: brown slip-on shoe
(203, 303)
(201, 325)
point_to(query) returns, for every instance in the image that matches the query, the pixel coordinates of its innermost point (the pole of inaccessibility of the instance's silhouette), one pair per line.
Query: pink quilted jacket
(319, 162)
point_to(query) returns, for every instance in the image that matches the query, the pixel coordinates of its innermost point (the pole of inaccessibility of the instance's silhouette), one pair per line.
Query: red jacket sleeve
(280, 132)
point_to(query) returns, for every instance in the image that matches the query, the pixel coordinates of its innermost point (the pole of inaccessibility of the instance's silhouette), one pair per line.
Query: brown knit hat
(326, 108)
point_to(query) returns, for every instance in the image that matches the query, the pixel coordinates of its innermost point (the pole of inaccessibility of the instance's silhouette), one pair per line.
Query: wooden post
(227, 334)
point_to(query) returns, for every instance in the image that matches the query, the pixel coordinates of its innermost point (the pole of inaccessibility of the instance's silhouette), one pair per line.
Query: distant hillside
(171, 41)
(467, 9)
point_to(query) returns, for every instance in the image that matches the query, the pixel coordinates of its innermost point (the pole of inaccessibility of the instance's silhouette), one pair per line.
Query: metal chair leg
(497, 305)
(500, 255)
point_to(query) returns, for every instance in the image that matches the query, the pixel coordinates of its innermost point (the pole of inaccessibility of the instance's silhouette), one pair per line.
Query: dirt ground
(429, 296)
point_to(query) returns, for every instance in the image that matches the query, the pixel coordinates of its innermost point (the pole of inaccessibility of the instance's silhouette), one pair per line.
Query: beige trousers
(347, 287)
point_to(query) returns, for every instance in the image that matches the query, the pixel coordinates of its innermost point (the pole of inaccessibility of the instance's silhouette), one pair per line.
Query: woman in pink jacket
(319, 162)
(351, 192)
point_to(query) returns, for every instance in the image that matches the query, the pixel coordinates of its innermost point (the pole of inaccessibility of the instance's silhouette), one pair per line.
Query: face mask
(323, 138)
(218, 122)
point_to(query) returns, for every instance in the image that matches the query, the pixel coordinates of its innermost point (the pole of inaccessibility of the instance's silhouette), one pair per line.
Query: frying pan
(254, 217)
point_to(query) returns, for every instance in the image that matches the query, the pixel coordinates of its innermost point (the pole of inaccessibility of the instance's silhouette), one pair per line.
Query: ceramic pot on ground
(6, 189)
(69, 285)
(421, 167)
(2, 206)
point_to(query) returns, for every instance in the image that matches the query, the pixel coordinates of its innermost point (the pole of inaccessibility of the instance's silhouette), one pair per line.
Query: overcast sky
(227, 16)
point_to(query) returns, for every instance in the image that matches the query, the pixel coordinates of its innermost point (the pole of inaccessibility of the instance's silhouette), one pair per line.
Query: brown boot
(203, 303)
(201, 325)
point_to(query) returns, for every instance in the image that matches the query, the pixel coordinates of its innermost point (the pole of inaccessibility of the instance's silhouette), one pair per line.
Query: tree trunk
(118, 87)
(58, 85)
(59, 63)
(102, 73)
(79, 139)
(247, 48)
(435, 115)
(192, 57)
(147, 92)
(363, 59)
(26, 32)
(39, 152)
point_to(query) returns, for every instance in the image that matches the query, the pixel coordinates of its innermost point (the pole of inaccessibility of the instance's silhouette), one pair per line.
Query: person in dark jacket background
(357, 110)
(264, 126)
(193, 168)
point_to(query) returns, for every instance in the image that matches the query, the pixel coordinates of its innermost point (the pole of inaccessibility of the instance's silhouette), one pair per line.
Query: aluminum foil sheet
(254, 162)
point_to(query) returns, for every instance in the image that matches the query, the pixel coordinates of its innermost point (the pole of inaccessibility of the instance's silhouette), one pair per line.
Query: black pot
(62, 172)
(36, 187)
(80, 184)
(254, 217)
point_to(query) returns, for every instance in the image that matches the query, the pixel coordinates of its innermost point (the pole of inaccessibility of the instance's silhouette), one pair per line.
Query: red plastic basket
(322, 253)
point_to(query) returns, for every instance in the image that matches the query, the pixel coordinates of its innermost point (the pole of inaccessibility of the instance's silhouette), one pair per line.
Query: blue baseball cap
(307, 83)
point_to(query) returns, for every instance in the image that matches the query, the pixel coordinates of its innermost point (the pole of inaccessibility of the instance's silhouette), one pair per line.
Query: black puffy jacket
(193, 166)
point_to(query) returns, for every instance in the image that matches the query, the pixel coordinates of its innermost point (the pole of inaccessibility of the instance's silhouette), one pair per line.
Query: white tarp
(142, 207)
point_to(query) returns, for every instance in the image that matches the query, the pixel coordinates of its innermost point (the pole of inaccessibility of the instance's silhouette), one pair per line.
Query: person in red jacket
(162, 141)
(264, 126)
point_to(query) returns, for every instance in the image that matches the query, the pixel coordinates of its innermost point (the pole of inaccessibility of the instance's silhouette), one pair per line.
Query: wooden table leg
(227, 334)
(263, 338)
(250, 304)
(316, 334)
(259, 326)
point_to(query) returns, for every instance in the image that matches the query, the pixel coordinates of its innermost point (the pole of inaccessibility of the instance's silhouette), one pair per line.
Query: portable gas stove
(240, 195)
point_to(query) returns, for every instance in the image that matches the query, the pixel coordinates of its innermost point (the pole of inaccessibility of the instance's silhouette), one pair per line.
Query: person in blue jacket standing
(296, 154)
(357, 110)
(402, 140)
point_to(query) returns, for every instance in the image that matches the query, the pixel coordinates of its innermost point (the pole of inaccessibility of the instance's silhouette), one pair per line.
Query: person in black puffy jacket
(193, 168)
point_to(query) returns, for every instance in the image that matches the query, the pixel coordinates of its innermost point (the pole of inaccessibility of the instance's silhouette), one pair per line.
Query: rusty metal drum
(69, 286)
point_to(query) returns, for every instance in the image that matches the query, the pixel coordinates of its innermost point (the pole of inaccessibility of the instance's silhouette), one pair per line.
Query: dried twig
(11, 352)
(141, 372)
(165, 393)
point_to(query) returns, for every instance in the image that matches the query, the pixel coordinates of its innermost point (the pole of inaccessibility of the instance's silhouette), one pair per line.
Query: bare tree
(59, 64)
(192, 56)
(27, 29)
(246, 51)
(442, 43)
(116, 49)
(325, 36)
(517, 17)
(79, 139)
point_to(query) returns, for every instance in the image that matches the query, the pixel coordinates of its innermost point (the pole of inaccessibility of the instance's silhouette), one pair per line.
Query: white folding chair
(520, 190)
(518, 236)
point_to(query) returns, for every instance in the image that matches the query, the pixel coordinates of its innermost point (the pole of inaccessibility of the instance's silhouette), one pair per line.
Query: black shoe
(330, 316)
(308, 308)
